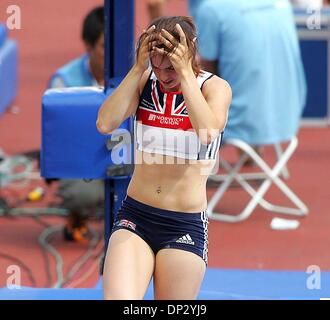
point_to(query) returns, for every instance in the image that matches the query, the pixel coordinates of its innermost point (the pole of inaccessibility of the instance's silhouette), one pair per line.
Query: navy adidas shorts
(162, 229)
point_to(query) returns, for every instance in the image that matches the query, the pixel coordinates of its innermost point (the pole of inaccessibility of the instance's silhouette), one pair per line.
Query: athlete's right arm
(123, 102)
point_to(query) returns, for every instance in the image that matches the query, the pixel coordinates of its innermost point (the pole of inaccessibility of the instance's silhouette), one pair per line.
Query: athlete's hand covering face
(148, 41)
(178, 52)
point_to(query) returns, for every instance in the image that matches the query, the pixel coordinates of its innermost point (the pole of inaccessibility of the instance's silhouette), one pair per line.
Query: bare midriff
(170, 183)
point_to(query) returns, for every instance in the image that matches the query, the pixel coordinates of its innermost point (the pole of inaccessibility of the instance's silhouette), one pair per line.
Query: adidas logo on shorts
(185, 239)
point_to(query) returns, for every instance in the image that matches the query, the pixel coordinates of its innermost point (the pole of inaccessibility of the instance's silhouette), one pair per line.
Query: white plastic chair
(269, 175)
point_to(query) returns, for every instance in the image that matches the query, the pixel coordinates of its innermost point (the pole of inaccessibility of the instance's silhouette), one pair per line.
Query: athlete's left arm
(207, 109)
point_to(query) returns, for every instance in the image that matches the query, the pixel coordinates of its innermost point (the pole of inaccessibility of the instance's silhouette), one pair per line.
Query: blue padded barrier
(8, 74)
(71, 145)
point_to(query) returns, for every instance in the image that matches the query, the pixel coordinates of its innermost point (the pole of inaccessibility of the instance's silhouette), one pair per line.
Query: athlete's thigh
(178, 274)
(128, 268)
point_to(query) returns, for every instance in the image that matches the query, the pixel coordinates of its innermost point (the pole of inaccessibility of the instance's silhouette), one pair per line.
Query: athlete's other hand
(178, 52)
(148, 40)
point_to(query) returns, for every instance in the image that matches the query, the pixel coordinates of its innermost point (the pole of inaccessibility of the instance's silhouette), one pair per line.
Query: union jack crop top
(162, 124)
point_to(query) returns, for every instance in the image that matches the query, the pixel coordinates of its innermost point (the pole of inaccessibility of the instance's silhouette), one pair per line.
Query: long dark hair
(169, 23)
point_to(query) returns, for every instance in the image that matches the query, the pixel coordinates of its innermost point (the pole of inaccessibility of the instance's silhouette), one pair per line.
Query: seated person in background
(253, 44)
(80, 197)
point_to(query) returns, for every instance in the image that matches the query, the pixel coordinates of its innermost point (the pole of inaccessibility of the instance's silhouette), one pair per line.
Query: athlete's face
(165, 72)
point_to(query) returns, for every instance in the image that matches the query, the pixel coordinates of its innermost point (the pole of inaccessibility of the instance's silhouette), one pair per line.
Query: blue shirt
(193, 7)
(256, 45)
(76, 73)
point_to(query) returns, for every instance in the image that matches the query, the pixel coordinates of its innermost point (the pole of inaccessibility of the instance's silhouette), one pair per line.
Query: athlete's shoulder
(217, 87)
(214, 82)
